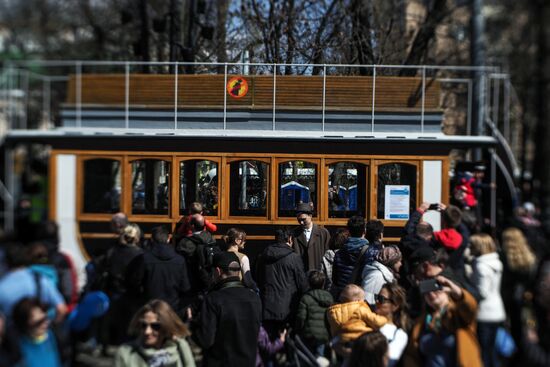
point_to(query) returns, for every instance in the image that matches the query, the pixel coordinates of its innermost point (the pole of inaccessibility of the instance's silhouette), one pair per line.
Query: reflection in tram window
(199, 182)
(150, 186)
(346, 189)
(396, 174)
(248, 188)
(101, 186)
(297, 184)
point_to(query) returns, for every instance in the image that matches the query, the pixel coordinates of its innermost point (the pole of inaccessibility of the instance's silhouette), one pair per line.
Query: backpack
(205, 256)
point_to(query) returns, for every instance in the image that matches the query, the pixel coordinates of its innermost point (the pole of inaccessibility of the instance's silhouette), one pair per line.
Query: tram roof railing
(42, 83)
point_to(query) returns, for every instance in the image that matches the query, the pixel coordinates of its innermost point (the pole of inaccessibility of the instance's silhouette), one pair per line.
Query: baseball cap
(226, 260)
(421, 254)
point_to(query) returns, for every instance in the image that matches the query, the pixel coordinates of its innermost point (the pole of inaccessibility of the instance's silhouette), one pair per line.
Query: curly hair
(519, 255)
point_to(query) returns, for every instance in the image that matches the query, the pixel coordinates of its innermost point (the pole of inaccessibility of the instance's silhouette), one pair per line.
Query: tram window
(248, 188)
(403, 199)
(199, 182)
(101, 186)
(346, 189)
(150, 186)
(297, 184)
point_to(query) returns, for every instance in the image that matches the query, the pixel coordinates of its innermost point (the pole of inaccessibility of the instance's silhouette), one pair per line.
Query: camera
(429, 285)
(433, 206)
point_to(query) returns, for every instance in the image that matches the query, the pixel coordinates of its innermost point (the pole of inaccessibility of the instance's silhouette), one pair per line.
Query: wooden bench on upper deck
(347, 93)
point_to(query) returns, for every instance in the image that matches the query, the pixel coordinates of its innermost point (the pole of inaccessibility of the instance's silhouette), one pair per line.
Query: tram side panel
(64, 210)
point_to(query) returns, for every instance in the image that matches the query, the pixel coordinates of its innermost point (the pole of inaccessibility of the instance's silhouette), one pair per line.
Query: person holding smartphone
(445, 333)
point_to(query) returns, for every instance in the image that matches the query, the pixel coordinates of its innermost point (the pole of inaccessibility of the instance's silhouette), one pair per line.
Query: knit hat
(389, 255)
(304, 208)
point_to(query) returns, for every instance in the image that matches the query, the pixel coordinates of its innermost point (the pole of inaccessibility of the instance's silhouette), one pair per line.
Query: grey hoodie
(375, 275)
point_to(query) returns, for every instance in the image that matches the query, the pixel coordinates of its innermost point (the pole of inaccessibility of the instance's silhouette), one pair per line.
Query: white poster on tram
(397, 202)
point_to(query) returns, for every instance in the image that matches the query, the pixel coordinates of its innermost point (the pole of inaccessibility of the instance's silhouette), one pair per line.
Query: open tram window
(248, 185)
(101, 186)
(346, 189)
(297, 184)
(150, 186)
(199, 182)
(396, 196)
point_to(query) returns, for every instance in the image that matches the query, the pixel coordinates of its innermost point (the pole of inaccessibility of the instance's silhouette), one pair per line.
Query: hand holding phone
(429, 285)
(434, 206)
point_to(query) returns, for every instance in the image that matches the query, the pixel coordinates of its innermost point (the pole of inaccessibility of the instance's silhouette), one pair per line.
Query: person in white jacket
(385, 269)
(487, 275)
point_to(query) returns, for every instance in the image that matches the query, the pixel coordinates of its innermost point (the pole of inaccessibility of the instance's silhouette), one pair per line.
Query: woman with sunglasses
(36, 343)
(391, 302)
(160, 339)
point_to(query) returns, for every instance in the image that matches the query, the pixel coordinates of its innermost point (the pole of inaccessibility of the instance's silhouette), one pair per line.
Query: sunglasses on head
(155, 326)
(381, 299)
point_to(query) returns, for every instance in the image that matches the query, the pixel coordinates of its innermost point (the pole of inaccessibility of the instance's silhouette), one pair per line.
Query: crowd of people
(451, 297)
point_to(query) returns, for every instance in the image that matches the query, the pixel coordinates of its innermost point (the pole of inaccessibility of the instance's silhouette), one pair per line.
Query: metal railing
(16, 75)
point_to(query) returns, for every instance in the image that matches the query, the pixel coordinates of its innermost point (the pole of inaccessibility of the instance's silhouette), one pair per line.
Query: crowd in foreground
(453, 297)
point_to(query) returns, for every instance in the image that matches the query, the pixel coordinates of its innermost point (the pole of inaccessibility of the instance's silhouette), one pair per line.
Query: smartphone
(433, 207)
(429, 285)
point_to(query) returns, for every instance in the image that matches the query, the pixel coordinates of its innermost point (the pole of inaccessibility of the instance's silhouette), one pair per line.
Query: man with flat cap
(310, 240)
(229, 320)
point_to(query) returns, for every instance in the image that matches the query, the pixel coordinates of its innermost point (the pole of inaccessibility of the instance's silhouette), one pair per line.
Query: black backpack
(205, 255)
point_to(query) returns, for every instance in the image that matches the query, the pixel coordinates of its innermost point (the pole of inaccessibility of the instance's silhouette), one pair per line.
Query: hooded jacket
(281, 279)
(162, 274)
(487, 276)
(375, 275)
(352, 319)
(311, 320)
(344, 263)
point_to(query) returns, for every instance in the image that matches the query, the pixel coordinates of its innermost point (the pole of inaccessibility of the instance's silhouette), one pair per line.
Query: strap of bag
(38, 285)
(358, 263)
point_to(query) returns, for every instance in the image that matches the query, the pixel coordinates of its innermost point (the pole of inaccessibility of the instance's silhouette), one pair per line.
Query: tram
(151, 144)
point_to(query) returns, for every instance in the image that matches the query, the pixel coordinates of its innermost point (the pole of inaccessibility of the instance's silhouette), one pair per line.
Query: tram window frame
(374, 184)
(177, 177)
(319, 206)
(367, 188)
(129, 189)
(227, 185)
(80, 178)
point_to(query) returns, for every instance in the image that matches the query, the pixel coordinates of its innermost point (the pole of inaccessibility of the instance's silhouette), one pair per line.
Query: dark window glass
(150, 186)
(199, 182)
(297, 184)
(101, 186)
(248, 188)
(396, 174)
(346, 189)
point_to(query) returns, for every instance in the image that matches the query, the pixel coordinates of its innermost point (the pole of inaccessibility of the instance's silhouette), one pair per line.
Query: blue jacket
(344, 263)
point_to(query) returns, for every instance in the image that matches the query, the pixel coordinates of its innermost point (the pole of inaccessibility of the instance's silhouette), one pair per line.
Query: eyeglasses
(38, 322)
(155, 326)
(381, 299)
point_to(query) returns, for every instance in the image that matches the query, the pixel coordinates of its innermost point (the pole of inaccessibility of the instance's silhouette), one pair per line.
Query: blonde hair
(481, 244)
(130, 235)
(519, 255)
(352, 292)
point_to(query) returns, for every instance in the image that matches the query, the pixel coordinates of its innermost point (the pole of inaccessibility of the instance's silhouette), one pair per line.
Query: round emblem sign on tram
(237, 87)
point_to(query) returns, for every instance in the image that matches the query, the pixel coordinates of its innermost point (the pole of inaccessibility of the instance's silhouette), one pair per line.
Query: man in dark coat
(310, 241)
(161, 273)
(348, 256)
(281, 279)
(228, 324)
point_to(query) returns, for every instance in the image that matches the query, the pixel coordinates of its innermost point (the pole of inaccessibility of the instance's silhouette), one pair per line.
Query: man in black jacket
(282, 280)
(161, 273)
(229, 319)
